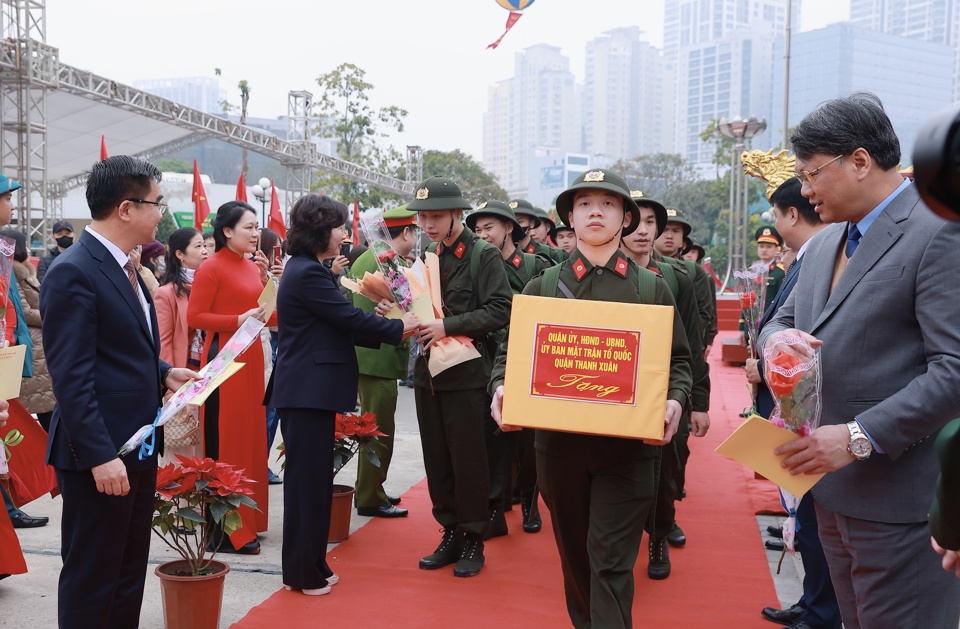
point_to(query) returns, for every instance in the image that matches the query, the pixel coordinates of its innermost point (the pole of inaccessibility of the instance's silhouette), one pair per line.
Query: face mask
(161, 265)
(64, 241)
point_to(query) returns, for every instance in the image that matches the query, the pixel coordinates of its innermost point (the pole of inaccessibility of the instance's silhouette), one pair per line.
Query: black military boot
(498, 524)
(531, 513)
(471, 559)
(449, 550)
(659, 566)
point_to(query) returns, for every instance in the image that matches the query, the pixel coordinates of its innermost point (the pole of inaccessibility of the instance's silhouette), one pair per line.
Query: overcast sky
(428, 57)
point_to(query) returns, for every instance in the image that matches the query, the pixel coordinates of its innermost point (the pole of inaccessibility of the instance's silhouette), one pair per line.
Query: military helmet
(522, 206)
(659, 211)
(675, 216)
(498, 209)
(599, 179)
(436, 194)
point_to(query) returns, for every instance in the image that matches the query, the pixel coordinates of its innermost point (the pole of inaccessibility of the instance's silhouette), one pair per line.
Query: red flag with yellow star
(201, 207)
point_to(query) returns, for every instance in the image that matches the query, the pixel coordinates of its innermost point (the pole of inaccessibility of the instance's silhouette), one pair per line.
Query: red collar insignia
(516, 260)
(530, 249)
(621, 267)
(439, 248)
(579, 268)
(459, 250)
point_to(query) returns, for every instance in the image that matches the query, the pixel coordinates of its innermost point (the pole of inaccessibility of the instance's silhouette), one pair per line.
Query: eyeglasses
(806, 176)
(161, 207)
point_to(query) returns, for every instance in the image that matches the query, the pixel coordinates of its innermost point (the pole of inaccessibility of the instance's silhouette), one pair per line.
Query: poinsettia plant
(352, 434)
(193, 495)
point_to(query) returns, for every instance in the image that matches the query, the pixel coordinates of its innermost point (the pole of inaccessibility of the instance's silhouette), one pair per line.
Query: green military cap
(599, 179)
(438, 193)
(498, 209)
(658, 210)
(545, 218)
(400, 216)
(769, 234)
(674, 216)
(522, 206)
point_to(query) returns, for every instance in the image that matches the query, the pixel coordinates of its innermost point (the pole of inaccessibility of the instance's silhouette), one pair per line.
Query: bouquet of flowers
(192, 495)
(352, 434)
(791, 368)
(389, 261)
(751, 286)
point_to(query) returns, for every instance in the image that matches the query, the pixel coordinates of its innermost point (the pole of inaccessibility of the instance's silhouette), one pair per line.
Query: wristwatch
(859, 445)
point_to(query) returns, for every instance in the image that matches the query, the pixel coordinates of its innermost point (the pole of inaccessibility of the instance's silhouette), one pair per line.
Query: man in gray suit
(876, 292)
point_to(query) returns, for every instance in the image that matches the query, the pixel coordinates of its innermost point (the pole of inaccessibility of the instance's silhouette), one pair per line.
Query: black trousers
(105, 544)
(307, 495)
(452, 427)
(598, 507)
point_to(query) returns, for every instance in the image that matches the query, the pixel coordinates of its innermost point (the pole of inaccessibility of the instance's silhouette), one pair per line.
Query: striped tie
(132, 276)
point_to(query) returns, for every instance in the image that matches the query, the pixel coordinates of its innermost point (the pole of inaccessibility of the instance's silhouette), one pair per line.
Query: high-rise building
(534, 108)
(912, 77)
(627, 97)
(936, 21)
(721, 49)
(202, 93)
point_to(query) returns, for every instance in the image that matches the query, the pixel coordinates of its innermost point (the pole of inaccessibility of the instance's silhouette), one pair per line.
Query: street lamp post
(262, 190)
(739, 130)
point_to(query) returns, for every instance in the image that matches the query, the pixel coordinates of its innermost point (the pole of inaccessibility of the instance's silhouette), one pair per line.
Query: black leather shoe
(774, 544)
(471, 559)
(799, 624)
(24, 521)
(498, 524)
(394, 500)
(676, 537)
(530, 507)
(775, 531)
(449, 551)
(386, 510)
(782, 616)
(659, 566)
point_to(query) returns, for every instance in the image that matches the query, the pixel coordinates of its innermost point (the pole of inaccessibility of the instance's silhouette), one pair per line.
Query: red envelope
(30, 476)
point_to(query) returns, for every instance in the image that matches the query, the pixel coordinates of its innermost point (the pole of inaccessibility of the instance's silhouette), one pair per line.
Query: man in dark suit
(877, 295)
(797, 222)
(102, 348)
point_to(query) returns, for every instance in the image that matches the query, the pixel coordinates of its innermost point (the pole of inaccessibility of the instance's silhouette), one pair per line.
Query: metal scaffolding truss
(33, 82)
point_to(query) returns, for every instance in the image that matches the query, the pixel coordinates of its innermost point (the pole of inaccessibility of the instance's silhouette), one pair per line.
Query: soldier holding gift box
(600, 489)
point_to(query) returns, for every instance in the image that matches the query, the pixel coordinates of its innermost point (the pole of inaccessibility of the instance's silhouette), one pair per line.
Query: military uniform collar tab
(516, 260)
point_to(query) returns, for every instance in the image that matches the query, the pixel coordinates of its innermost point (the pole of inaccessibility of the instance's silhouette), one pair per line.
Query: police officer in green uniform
(663, 528)
(600, 489)
(510, 455)
(453, 407)
(379, 371)
(529, 219)
(769, 243)
(546, 233)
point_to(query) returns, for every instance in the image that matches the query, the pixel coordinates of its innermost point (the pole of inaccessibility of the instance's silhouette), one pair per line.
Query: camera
(936, 164)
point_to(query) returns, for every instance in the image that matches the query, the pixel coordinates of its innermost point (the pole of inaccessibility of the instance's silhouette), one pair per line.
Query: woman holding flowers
(224, 295)
(315, 378)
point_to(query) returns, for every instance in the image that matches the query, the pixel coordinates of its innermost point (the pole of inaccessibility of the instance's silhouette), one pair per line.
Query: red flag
(355, 232)
(276, 216)
(511, 20)
(201, 206)
(241, 189)
(103, 148)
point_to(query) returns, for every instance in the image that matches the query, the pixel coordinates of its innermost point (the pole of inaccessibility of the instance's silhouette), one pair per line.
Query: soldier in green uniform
(529, 219)
(453, 407)
(510, 455)
(769, 243)
(600, 489)
(638, 246)
(566, 238)
(379, 371)
(546, 234)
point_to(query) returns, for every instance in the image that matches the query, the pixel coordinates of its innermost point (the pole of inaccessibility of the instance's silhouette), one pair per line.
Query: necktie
(853, 239)
(132, 276)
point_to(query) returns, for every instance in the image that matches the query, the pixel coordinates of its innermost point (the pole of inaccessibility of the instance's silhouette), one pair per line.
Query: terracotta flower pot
(340, 512)
(191, 602)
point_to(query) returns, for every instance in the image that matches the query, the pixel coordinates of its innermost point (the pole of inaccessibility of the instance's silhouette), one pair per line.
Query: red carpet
(719, 579)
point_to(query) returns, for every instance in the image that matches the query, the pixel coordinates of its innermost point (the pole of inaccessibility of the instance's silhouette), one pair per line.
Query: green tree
(173, 165)
(477, 183)
(361, 133)
(657, 175)
(244, 87)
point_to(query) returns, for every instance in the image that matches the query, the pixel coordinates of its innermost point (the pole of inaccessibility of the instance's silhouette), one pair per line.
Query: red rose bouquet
(792, 371)
(751, 286)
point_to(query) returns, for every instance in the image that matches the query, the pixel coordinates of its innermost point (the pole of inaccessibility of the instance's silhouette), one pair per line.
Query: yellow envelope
(268, 298)
(11, 371)
(753, 444)
(588, 367)
(228, 371)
